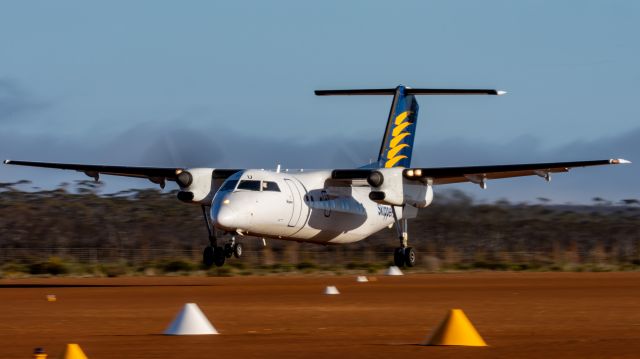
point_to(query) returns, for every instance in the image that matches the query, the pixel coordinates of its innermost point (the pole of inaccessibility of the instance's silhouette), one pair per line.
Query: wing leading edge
(480, 174)
(156, 175)
(436, 175)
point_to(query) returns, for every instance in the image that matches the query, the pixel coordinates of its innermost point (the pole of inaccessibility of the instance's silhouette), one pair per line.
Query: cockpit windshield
(250, 185)
(270, 186)
(229, 185)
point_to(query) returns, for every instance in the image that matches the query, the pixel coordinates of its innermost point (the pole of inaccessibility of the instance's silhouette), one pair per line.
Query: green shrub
(13, 267)
(458, 266)
(306, 265)
(220, 272)
(357, 265)
(278, 268)
(627, 267)
(53, 266)
(175, 265)
(113, 270)
(369, 267)
(373, 269)
(490, 265)
(594, 267)
(237, 265)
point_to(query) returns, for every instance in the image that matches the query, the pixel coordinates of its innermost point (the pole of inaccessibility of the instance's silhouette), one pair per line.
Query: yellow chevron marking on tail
(401, 117)
(393, 161)
(400, 128)
(394, 141)
(397, 136)
(393, 151)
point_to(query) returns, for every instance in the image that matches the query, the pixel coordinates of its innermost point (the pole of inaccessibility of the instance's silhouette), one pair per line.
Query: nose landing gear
(233, 248)
(237, 250)
(214, 254)
(403, 255)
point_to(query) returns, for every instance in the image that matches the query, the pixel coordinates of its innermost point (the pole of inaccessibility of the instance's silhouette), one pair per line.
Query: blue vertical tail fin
(397, 144)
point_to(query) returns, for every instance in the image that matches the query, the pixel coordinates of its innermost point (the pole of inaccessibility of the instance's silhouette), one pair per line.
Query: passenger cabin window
(249, 185)
(229, 185)
(270, 186)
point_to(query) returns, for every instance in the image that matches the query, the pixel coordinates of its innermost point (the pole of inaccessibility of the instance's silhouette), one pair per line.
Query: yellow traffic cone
(456, 329)
(73, 351)
(38, 353)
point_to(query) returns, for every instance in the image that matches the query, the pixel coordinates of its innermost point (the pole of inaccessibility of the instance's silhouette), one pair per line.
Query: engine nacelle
(387, 186)
(391, 188)
(417, 194)
(196, 185)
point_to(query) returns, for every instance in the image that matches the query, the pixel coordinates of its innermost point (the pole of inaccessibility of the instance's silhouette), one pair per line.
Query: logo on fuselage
(385, 211)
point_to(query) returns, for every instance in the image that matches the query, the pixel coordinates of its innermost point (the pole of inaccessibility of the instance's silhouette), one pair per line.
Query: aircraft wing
(155, 174)
(479, 174)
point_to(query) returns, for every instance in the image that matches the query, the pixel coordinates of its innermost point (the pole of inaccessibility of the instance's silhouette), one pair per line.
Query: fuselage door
(294, 202)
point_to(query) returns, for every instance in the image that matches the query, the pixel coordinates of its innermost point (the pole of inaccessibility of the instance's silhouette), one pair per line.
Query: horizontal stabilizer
(355, 92)
(409, 91)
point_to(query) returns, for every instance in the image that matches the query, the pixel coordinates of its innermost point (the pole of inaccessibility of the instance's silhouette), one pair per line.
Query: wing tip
(501, 92)
(6, 162)
(619, 161)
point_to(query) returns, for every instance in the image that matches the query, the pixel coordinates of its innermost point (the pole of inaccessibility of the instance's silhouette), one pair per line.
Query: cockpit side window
(229, 185)
(270, 186)
(249, 185)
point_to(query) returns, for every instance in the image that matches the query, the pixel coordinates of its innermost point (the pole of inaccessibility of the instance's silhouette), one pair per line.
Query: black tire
(228, 250)
(207, 257)
(237, 250)
(218, 256)
(409, 257)
(398, 257)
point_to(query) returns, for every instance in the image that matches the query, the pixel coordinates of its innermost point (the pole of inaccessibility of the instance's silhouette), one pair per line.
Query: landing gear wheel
(398, 257)
(409, 257)
(237, 250)
(218, 256)
(228, 250)
(207, 257)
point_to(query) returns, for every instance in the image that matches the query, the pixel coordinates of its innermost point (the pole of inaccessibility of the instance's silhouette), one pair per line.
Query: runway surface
(520, 315)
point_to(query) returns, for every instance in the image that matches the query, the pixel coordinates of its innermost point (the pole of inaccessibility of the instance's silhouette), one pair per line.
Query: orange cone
(456, 329)
(38, 353)
(73, 351)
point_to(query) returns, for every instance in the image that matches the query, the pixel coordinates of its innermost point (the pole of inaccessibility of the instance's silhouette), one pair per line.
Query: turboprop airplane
(332, 206)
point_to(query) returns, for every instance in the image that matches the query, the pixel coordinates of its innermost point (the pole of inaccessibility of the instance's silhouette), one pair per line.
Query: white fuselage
(305, 206)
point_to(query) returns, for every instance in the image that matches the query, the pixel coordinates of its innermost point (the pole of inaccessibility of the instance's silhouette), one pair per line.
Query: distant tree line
(453, 230)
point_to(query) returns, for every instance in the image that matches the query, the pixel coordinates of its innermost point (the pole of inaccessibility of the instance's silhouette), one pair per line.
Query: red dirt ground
(520, 315)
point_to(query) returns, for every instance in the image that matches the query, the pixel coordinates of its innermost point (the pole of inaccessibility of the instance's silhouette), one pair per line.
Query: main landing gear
(403, 255)
(214, 254)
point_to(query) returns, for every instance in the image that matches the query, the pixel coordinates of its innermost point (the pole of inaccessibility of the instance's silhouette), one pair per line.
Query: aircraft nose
(225, 217)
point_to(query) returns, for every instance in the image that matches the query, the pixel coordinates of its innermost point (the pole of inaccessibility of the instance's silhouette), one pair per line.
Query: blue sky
(230, 84)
